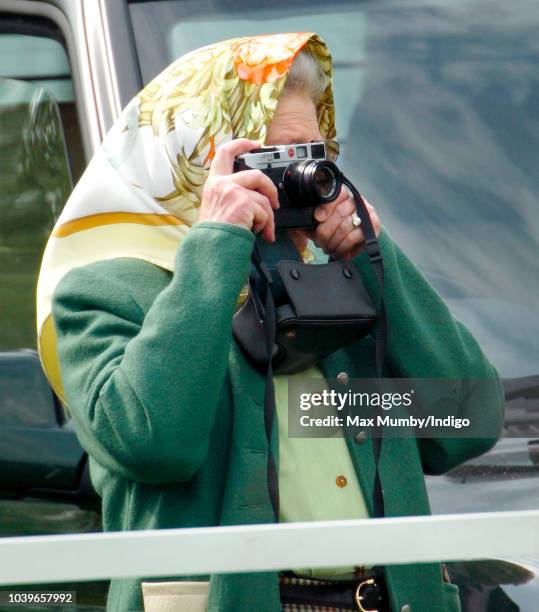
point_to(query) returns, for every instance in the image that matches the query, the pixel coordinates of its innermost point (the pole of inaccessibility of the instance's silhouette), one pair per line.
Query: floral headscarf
(141, 191)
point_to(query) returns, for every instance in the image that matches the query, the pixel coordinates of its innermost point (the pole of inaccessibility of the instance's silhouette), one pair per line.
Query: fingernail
(320, 214)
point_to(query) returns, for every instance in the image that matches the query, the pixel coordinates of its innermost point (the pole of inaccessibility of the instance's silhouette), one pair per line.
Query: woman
(138, 287)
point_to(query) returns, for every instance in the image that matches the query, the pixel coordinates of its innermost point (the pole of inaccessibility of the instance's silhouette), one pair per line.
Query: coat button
(294, 273)
(342, 378)
(361, 437)
(341, 481)
(406, 608)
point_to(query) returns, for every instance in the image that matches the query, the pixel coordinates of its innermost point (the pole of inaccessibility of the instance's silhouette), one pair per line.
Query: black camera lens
(311, 182)
(324, 182)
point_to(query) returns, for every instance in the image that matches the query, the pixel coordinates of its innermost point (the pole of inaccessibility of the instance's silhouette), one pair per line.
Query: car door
(44, 483)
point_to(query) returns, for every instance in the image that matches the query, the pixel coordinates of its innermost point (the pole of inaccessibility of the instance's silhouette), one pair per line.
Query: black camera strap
(264, 283)
(375, 258)
(267, 313)
(271, 254)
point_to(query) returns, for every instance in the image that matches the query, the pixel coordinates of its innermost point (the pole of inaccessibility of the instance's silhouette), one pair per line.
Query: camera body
(304, 176)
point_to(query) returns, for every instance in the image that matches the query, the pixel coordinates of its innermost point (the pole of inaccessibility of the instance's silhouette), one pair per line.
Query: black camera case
(325, 308)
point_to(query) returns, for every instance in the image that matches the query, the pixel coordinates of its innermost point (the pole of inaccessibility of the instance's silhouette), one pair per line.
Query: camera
(304, 174)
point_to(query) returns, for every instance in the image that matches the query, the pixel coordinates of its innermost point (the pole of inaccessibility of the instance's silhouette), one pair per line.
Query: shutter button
(347, 273)
(294, 273)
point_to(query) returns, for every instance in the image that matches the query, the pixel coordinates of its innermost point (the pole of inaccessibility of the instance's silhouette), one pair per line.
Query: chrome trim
(99, 59)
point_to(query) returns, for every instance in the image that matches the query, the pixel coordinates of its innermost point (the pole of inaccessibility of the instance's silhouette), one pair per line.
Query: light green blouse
(317, 480)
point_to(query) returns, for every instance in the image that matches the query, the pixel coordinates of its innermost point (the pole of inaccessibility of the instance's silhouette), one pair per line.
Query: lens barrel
(312, 182)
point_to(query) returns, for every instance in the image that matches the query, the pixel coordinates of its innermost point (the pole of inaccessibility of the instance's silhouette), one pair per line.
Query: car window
(44, 480)
(437, 115)
(38, 59)
(35, 83)
(33, 50)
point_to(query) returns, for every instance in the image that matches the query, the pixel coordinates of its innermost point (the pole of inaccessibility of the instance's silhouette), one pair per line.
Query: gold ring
(358, 595)
(356, 221)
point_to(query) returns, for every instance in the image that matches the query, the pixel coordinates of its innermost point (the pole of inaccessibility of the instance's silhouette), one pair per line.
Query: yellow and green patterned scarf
(141, 191)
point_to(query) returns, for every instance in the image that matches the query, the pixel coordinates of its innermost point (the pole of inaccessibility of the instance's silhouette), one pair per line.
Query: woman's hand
(246, 198)
(336, 234)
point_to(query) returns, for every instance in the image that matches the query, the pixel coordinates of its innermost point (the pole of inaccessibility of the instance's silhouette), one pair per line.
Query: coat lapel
(246, 499)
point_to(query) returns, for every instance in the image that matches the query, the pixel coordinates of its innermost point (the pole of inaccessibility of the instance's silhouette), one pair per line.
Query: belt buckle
(358, 596)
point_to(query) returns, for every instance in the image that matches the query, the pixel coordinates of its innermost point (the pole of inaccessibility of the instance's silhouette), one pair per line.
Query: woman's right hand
(245, 198)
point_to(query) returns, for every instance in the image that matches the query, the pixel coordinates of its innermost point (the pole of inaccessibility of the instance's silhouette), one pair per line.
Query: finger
(350, 245)
(261, 221)
(323, 211)
(223, 162)
(325, 230)
(256, 180)
(341, 233)
(353, 253)
(268, 229)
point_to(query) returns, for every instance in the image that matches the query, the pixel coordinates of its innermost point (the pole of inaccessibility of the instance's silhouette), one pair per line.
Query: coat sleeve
(426, 341)
(143, 387)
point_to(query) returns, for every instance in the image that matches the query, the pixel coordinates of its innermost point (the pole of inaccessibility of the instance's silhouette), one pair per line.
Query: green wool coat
(171, 413)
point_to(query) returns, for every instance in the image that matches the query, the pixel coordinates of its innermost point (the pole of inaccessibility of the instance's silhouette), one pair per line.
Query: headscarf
(141, 191)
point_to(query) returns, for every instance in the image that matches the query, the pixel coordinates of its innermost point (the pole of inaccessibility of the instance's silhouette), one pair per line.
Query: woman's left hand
(336, 234)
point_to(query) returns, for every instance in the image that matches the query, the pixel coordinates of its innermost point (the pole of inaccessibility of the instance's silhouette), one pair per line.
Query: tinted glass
(38, 59)
(34, 185)
(40, 146)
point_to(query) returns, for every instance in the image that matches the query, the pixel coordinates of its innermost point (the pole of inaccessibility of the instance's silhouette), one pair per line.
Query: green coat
(171, 414)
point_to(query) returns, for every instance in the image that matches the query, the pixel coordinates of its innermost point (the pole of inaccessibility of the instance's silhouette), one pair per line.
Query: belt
(366, 593)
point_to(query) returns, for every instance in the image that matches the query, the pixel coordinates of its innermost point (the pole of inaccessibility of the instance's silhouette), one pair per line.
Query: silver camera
(305, 176)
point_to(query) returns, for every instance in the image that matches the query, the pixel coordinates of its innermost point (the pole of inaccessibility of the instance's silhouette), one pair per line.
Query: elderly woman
(139, 284)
